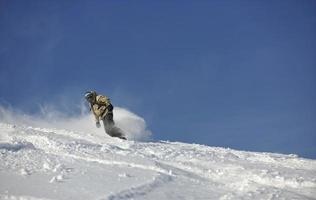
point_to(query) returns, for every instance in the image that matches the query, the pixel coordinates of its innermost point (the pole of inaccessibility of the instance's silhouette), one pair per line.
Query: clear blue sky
(238, 74)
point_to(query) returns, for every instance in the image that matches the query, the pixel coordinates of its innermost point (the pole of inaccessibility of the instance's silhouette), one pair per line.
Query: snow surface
(41, 163)
(53, 156)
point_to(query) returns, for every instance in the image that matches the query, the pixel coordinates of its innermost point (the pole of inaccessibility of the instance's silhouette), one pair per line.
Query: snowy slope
(37, 163)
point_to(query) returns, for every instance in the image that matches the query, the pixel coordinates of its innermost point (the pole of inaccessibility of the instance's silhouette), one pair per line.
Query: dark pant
(110, 127)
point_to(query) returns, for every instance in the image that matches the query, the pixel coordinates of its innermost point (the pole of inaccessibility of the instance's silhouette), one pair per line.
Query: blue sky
(238, 74)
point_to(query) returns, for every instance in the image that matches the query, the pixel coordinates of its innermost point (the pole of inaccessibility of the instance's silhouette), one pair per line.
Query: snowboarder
(102, 108)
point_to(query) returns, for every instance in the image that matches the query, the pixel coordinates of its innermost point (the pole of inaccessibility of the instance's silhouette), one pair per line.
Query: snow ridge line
(202, 174)
(141, 190)
(48, 145)
(119, 163)
(16, 146)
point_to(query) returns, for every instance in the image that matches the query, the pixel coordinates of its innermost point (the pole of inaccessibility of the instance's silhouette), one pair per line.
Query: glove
(97, 124)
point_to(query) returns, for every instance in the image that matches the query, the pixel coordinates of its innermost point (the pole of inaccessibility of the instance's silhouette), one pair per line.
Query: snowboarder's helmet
(89, 95)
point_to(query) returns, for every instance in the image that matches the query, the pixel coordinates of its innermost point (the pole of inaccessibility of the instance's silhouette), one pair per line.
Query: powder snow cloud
(133, 125)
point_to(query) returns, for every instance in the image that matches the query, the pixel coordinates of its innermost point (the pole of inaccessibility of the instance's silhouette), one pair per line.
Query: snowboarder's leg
(110, 127)
(108, 122)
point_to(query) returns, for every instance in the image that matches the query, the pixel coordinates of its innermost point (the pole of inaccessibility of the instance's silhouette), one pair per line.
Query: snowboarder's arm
(94, 109)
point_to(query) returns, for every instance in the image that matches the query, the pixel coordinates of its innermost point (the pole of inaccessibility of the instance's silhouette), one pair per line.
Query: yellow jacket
(101, 107)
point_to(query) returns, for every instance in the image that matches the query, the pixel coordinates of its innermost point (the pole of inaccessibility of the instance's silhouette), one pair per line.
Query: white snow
(53, 156)
(42, 163)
